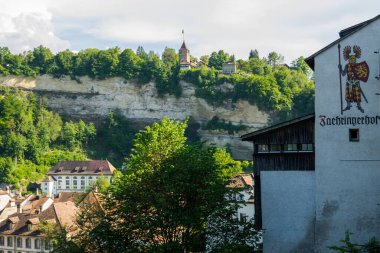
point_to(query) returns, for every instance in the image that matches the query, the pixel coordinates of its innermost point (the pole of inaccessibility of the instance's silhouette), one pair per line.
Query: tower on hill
(184, 55)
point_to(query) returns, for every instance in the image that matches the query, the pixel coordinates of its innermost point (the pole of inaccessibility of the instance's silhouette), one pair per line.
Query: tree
(205, 59)
(217, 59)
(254, 54)
(105, 63)
(163, 202)
(301, 65)
(170, 57)
(129, 64)
(274, 59)
(42, 59)
(64, 62)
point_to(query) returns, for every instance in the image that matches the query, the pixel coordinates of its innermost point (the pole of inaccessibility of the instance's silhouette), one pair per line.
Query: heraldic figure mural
(354, 72)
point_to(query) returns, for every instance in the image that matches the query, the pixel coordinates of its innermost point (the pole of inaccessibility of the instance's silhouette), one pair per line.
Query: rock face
(93, 99)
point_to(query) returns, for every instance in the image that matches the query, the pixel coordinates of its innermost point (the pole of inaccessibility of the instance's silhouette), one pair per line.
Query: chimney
(19, 209)
(8, 190)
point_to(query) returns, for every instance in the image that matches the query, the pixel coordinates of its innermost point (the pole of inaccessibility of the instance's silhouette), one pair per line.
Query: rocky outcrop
(93, 99)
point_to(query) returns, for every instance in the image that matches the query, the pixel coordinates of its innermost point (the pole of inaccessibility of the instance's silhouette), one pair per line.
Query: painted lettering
(348, 120)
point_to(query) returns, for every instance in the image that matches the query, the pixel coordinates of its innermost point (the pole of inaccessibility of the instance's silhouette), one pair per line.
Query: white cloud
(27, 30)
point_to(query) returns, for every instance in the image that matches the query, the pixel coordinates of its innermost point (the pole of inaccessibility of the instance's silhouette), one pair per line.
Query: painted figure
(355, 73)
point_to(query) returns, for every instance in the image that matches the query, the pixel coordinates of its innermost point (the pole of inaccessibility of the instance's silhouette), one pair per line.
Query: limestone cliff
(92, 99)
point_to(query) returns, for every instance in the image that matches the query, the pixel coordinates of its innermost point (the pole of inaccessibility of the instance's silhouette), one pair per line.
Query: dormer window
(32, 223)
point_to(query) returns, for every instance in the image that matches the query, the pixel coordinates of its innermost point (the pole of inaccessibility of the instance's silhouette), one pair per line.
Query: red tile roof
(243, 180)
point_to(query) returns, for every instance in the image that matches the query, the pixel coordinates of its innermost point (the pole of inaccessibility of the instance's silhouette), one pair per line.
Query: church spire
(183, 38)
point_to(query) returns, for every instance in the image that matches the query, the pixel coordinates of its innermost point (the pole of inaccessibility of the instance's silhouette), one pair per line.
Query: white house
(75, 176)
(244, 182)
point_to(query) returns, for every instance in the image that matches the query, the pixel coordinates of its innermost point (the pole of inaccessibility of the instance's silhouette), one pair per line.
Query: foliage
(372, 246)
(33, 138)
(289, 92)
(164, 200)
(216, 123)
(114, 138)
(58, 237)
(217, 59)
(274, 87)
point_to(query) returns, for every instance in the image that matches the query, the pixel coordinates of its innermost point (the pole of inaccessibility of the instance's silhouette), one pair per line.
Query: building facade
(285, 184)
(244, 182)
(19, 232)
(347, 136)
(76, 176)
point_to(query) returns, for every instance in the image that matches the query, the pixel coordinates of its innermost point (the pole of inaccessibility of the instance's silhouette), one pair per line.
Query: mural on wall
(355, 73)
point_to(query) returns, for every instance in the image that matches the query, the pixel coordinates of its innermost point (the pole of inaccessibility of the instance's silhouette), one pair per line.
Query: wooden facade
(286, 146)
(282, 147)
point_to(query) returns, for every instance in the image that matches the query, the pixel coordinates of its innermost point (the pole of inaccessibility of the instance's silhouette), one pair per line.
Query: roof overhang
(249, 136)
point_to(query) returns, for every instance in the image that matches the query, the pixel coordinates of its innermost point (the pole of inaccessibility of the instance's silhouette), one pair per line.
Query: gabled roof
(343, 34)
(243, 180)
(82, 167)
(249, 136)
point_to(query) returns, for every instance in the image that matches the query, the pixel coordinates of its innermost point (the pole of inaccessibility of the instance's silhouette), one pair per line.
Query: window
(67, 183)
(28, 243)
(307, 147)
(354, 134)
(19, 242)
(243, 217)
(262, 148)
(290, 147)
(82, 182)
(37, 244)
(1, 241)
(275, 147)
(47, 245)
(10, 241)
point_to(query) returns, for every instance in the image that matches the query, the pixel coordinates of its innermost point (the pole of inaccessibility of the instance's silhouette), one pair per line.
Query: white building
(347, 138)
(244, 182)
(19, 232)
(75, 176)
(229, 67)
(318, 176)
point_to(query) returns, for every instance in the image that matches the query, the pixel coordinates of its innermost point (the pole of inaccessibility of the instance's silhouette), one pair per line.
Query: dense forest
(265, 81)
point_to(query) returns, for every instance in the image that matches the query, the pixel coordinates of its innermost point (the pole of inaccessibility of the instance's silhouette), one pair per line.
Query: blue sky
(292, 27)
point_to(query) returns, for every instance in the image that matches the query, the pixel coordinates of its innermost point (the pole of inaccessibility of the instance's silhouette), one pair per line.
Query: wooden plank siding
(298, 131)
(283, 161)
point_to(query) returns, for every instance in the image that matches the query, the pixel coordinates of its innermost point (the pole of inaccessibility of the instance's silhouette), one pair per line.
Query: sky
(292, 28)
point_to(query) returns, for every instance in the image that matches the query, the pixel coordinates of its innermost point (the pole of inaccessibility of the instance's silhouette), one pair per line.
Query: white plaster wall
(247, 209)
(288, 204)
(347, 173)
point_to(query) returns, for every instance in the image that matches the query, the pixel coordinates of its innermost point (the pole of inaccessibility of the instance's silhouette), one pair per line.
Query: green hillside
(286, 92)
